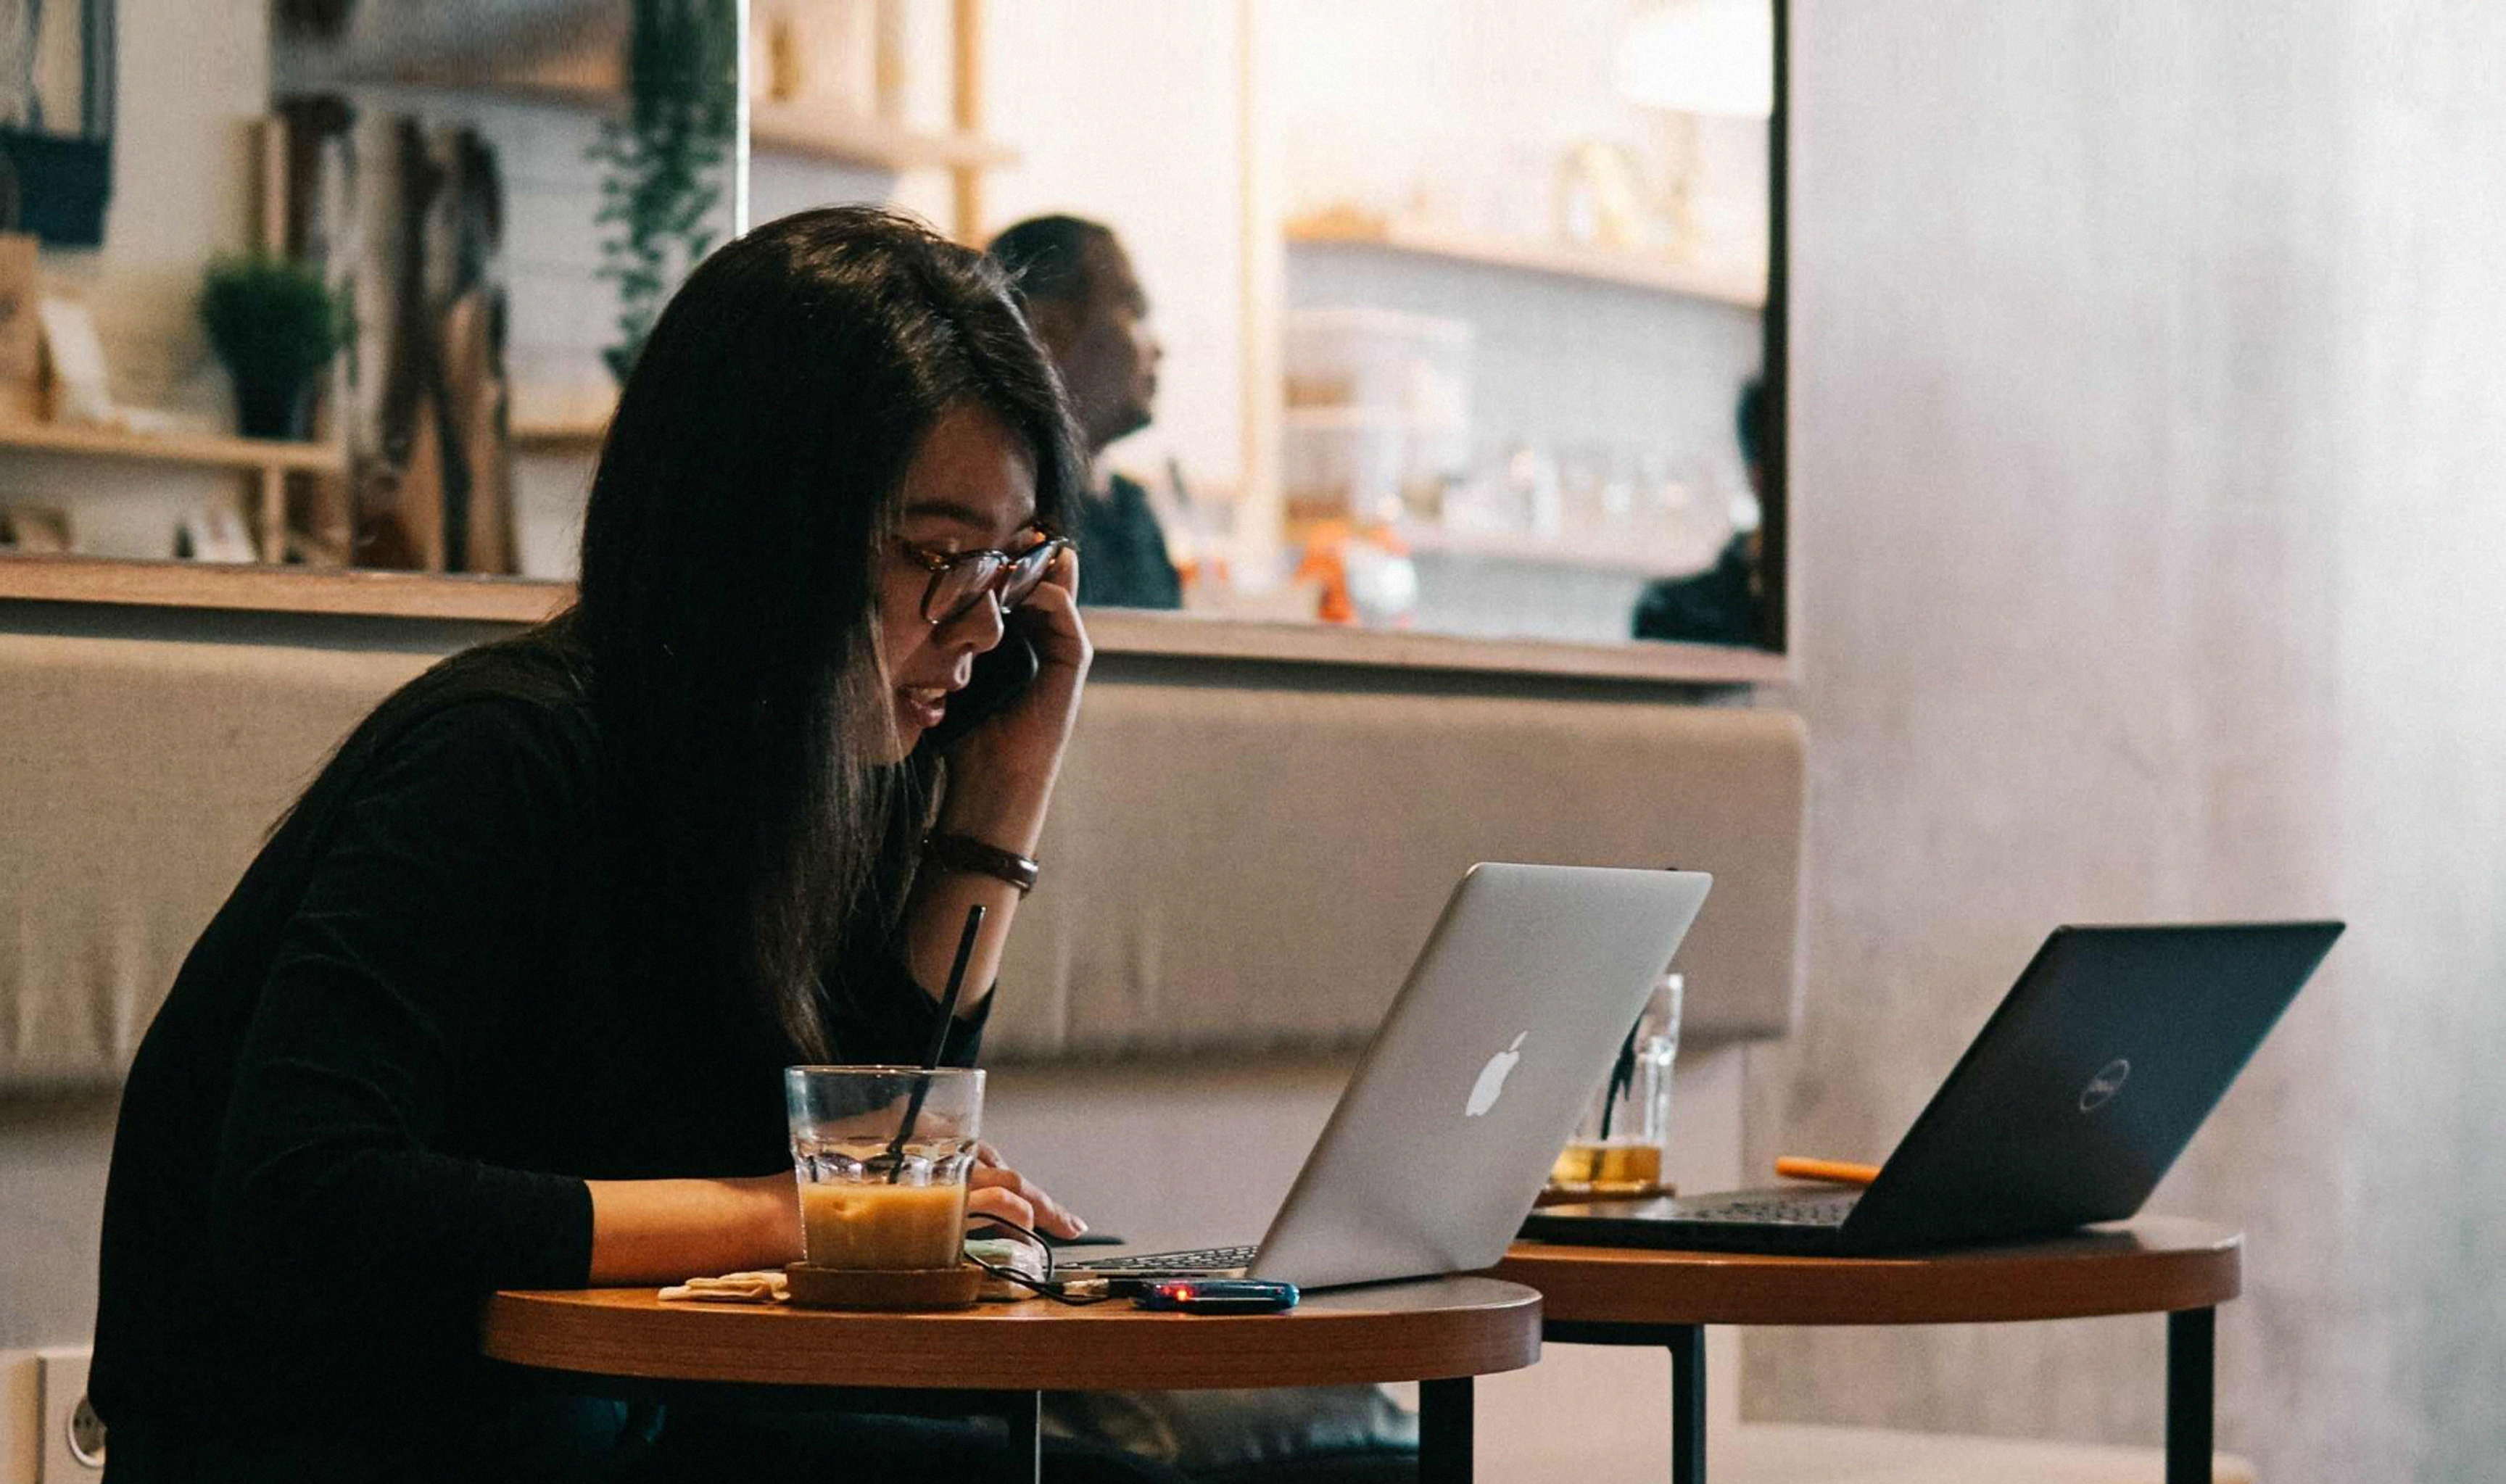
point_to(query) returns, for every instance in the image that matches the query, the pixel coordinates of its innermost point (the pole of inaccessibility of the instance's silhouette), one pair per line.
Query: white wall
(1129, 112)
(1459, 114)
(2146, 497)
(54, 1151)
(191, 77)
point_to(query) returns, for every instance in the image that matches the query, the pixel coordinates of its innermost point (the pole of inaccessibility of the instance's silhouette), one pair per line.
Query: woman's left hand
(999, 1192)
(1001, 774)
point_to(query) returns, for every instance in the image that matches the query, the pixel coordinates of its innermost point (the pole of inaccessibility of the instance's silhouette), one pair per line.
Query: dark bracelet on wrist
(965, 853)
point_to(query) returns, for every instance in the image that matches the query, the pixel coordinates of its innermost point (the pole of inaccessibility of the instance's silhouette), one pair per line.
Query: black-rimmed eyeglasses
(960, 579)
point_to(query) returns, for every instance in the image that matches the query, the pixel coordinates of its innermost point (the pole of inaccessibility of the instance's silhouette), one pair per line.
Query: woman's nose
(980, 627)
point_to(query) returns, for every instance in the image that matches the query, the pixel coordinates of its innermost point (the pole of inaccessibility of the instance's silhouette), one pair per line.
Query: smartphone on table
(1216, 1295)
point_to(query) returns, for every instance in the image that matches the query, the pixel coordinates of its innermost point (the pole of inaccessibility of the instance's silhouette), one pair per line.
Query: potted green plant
(663, 191)
(275, 325)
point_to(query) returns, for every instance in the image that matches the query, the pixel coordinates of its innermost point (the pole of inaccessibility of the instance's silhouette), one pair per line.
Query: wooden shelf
(799, 131)
(279, 589)
(1128, 631)
(1447, 1326)
(568, 437)
(572, 60)
(195, 448)
(1559, 260)
(1114, 630)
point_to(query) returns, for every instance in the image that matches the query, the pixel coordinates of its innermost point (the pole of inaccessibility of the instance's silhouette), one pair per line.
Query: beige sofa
(1232, 866)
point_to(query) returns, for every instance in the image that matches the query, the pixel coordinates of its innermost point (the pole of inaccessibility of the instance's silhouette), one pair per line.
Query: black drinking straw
(938, 1041)
(1622, 1075)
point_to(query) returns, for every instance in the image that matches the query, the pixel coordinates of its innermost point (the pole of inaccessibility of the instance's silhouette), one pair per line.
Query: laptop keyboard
(1212, 1258)
(1776, 1210)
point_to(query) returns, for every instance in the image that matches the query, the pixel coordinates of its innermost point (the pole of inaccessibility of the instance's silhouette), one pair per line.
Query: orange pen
(1835, 1171)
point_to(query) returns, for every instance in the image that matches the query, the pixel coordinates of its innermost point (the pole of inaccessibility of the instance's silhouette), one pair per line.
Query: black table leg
(1444, 1432)
(2191, 1336)
(1688, 1404)
(1024, 1413)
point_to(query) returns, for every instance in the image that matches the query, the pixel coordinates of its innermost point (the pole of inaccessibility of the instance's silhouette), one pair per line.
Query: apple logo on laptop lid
(1491, 1081)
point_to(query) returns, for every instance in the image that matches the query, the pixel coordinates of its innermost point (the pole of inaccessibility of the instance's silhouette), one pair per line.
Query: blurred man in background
(1725, 602)
(1088, 309)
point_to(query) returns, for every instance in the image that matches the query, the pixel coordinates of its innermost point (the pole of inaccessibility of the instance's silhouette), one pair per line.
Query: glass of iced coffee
(882, 1155)
(1617, 1151)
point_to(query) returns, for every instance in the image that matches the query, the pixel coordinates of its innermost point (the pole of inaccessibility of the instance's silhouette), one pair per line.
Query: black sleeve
(426, 916)
(877, 1012)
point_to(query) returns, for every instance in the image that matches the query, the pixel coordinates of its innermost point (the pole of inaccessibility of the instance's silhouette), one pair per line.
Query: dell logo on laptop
(2104, 1085)
(1491, 1084)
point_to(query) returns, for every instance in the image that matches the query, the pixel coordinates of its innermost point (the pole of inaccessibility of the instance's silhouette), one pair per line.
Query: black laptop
(2068, 1109)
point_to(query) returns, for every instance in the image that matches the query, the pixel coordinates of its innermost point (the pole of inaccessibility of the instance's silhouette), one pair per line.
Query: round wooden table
(1611, 1295)
(1001, 1357)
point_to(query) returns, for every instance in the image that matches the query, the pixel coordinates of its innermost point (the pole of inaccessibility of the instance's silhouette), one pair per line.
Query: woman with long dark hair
(504, 1001)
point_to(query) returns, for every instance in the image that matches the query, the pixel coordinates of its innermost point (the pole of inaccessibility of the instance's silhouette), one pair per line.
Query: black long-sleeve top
(385, 1071)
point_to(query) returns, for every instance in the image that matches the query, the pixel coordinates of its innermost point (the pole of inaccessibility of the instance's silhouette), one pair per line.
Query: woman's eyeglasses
(960, 579)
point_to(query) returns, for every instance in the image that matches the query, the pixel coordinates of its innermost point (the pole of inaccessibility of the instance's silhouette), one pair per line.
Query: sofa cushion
(140, 776)
(1230, 865)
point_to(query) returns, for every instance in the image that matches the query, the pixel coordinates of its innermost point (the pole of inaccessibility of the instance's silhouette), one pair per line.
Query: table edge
(1024, 1350)
(1642, 1286)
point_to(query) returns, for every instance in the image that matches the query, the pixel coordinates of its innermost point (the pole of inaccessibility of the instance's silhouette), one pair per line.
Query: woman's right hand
(1001, 1193)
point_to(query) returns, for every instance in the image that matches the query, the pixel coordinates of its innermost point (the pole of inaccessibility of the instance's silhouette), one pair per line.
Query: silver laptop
(1504, 1029)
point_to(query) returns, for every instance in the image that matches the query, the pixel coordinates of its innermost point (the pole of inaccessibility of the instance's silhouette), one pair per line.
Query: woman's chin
(902, 735)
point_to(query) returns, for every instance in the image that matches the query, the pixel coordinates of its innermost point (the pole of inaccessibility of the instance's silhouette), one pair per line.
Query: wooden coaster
(911, 1287)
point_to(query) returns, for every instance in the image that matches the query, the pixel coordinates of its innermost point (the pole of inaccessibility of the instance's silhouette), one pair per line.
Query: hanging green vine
(666, 157)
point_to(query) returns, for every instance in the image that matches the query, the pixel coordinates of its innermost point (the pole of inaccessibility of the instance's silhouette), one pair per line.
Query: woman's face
(971, 487)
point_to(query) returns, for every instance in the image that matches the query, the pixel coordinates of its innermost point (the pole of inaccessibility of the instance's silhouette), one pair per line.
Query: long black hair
(729, 601)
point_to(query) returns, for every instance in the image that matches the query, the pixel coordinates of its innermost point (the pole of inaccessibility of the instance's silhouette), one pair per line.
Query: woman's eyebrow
(970, 517)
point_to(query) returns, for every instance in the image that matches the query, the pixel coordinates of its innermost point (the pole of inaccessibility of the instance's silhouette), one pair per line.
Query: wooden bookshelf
(198, 449)
(1616, 266)
(268, 461)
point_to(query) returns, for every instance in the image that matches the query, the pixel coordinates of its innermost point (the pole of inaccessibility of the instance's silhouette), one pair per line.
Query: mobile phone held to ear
(1002, 673)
